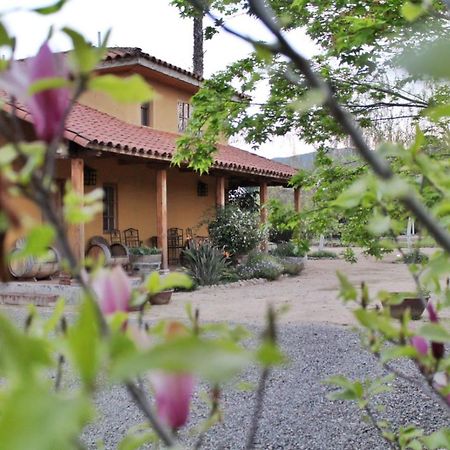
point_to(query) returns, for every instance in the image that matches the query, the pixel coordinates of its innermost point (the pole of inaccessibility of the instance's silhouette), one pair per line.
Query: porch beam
(220, 192)
(161, 215)
(76, 231)
(263, 197)
(297, 200)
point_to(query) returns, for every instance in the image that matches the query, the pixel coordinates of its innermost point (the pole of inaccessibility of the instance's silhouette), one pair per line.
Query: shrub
(323, 254)
(349, 255)
(205, 263)
(283, 221)
(292, 269)
(235, 230)
(261, 265)
(415, 257)
(144, 250)
(296, 247)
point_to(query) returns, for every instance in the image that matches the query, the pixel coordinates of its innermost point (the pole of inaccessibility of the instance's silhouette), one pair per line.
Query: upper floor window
(184, 114)
(145, 114)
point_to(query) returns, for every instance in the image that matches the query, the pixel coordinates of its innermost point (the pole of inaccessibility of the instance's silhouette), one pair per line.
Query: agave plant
(205, 263)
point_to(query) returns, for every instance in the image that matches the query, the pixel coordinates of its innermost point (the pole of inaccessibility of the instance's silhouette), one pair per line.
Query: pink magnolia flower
(420, 344)
(173, 392)
(437, 348)
(47, 107)
(440, 381)
(113, 289)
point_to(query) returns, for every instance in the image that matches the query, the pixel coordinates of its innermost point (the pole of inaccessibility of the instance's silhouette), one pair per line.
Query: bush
(323, 254)
(415, 257)
(261, 265)
(292, 269)
(235, 230)
(283, 221)
(206, 264)
(297, 247)
(144, 250)
(349, 255)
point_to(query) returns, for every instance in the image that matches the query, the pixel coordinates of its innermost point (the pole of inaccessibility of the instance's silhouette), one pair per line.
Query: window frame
(107, 187)
(184, 114)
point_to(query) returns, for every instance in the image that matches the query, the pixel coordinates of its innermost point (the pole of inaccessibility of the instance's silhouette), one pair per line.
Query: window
(184, 114)
(145, 114)
(109, 208)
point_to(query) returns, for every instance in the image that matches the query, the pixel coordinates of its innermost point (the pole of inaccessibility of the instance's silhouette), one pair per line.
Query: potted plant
(145, 254)
(144, 260)
(399, 302)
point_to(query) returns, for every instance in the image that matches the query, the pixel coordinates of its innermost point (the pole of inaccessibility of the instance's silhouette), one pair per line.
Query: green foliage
(296, 247)
(322, 254)
(206, 264)
(144, 250)
(349, 255)
(284, 222)
(261, 265)
(235, 230)
(415, 257)
(292, 268)
(132, 89)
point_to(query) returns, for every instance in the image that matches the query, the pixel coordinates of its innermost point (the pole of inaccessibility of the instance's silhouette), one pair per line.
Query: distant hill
(306, 161)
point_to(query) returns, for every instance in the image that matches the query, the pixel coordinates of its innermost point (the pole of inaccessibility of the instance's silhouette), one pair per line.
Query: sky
(152, 25)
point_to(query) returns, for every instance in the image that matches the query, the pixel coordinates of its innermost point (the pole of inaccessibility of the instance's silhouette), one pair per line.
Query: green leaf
(438, 440)
(37, 242)
(437, 112)
(314, 97)
(84, 339)
(412, 11)
(379, 224)
(347, 292)
(132, 89)
(7, 155)
(33, 417)
(434, 332)
(84, 56)
(395, 352)
(213, 360)
(51, 9)
(270, 354)
(46, 84)
(373, 320)
(21, 354)
(429, 61)
(136, 439)
(176, 280)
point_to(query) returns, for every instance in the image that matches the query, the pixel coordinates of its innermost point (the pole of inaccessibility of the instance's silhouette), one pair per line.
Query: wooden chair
(175, 244)
(131, 237)
(115, 237)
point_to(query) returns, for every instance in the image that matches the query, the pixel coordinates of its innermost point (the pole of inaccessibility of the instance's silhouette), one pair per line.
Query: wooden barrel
(99, 253)
(31, 267)
(120, 254)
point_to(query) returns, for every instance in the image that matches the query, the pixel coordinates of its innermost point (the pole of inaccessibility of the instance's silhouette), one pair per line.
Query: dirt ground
(310, 297)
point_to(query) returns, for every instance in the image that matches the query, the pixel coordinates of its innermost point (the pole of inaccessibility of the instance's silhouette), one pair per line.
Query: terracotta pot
(415, 304)
(162, 298)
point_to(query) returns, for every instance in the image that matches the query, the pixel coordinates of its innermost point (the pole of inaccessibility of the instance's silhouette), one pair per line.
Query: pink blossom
(47, 107)
(173, 392)
(113, 289)
(420, 344)
(432, 313)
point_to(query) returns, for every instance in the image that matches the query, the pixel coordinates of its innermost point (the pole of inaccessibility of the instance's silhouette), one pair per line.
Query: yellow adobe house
(127, 150)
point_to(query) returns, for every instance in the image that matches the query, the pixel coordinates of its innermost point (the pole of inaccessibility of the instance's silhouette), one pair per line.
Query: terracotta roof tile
(91, 128)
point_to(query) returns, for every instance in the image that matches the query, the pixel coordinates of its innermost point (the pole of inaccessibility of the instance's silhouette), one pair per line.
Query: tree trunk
(198, 45)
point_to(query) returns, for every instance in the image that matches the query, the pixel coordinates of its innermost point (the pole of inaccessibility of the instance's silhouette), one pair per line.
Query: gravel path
(297, 414)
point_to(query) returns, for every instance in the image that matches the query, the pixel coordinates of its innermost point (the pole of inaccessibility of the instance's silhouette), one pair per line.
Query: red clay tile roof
(130, 53)
(93, 129)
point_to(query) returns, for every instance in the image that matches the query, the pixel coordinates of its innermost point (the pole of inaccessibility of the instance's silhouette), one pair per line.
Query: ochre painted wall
(136, 196)
(163, 112)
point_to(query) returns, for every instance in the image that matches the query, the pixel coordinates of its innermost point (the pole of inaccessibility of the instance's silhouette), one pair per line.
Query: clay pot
(162, 298)
(415, 304)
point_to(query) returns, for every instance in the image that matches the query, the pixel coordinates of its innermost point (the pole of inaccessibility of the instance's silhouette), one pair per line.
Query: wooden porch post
(161, 214)
(263, 197)
(220, 192)
(297, 200)
(76, 231)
